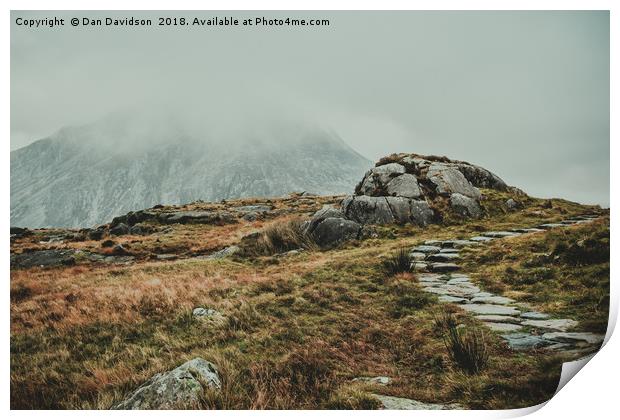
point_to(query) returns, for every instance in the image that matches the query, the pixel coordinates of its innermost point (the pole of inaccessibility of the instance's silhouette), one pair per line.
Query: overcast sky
(524, 94)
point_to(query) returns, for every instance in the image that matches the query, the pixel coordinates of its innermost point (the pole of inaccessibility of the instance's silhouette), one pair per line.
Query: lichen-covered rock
(368, 210)
(449, 180)
(465, 206)
(181, 388)
(405, 185)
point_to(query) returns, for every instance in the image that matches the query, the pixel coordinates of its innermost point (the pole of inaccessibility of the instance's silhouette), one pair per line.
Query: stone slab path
(522, 329)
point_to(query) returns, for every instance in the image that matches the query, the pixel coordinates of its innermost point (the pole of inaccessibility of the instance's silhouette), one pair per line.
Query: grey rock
(43, 258)
(462, 289)
(502, 327)
(396, 403)
(388, 171)
(443, 257)
(459, 243)
(498, 318)
(421, 212)
(443, 267)
(120, 229)
(166, 257)
(223, 253)
(534, 315)
(550, 225)
(500, 234)
(465, 206)
(417, 256)
(405, 185)
(512, 205)
(496, 300)
(524, 341)
(322, 214)
(419, 266)
(527, 230)
(400, 208)
(551, 324)
(427, 249)
(181, 388)
(368, 210)
(480, 239)
(333, 231)
(452, 299)
(487, 309)
(448, 180)
(481, 177)
(572, 337)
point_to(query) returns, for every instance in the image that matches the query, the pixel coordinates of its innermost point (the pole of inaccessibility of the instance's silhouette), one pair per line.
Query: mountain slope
(86, 175)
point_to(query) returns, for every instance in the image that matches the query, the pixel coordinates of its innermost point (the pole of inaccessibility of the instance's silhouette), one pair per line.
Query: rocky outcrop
(405, 188)
(181, 388)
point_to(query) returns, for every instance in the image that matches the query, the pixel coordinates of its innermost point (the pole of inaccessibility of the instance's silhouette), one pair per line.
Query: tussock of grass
(468, 350)
(400, 262)
(279, 237)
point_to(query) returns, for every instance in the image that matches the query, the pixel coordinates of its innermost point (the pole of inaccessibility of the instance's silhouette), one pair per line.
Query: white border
(591, 395)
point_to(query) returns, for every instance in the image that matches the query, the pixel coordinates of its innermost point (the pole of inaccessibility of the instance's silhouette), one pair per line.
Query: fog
(524, 94)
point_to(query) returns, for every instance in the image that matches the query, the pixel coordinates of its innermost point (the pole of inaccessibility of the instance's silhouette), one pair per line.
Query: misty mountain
(84, 176)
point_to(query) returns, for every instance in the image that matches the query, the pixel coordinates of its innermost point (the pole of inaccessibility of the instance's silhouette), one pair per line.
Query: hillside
(71, 179)
(257, 307)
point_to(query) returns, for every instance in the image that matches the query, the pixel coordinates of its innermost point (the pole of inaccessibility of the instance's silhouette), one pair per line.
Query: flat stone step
(417, 256)
(551, 324)
(461, 289)
(441, 257)
(550, 225)
(524, 341)
(426, 249)
(497, 300)
(500, 234)
(571, 337)
(459, 243)
(397, 403)
(448, 251)
(502, 327)
(527, 230)
(487, 309)
(534, 315)
(452, 299)
(443, 267)
(418, 266)
(498, 318)
(480, 239)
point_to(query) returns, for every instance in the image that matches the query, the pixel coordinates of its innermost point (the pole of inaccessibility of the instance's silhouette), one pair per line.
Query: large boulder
(332, 231)
(180, 388)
